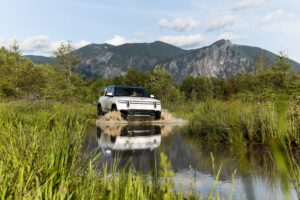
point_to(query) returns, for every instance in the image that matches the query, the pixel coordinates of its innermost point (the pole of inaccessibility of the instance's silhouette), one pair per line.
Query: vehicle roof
(124, 86)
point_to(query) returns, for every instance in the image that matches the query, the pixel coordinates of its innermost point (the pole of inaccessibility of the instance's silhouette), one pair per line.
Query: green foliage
(21, 79)
(15, 47)
(41, 158)
(260, 65)
(134, 78)
(67, 57)
(282, 64)
(160, 83)
(237, 122)
(198, 88)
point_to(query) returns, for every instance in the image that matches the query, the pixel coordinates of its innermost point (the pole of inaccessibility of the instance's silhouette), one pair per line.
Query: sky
(40, 26)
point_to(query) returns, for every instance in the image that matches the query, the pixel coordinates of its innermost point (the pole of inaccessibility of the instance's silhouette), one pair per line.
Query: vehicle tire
(124, 116)
(157, 115)
(99, 110)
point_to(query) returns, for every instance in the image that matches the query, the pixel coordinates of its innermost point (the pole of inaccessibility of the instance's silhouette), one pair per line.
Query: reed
(41, 158)
(241, 122)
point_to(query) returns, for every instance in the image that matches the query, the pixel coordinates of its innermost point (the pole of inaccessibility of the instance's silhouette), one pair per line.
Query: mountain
(220, 59)
(40, 59)
(107, 60)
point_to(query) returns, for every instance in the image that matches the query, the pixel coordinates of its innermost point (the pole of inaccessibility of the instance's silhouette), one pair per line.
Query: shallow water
(140, 146)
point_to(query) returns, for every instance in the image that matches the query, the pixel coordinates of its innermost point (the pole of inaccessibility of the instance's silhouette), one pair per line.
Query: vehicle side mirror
(109, 94)
(151, 96)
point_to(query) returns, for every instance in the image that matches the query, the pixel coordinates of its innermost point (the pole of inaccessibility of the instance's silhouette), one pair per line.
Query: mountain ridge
(221, 59)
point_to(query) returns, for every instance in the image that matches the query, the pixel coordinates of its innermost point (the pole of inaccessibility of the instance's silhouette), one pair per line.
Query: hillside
(40, 59)
(221, 59)
(105, 60)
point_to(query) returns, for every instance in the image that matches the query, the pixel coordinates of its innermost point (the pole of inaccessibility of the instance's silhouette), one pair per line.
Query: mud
(116, 118)
(116, 129)
(112, 118)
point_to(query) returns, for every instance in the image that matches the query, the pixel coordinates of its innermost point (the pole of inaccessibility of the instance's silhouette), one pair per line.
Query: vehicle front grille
(138, 112)
(142, 102)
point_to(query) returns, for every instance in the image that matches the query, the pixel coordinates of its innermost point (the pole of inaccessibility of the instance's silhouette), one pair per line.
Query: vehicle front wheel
(99, 110)
(157, 115)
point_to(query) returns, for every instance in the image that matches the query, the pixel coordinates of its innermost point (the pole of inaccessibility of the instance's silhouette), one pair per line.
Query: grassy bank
(246, 129)
(41, 158)
(239, 122)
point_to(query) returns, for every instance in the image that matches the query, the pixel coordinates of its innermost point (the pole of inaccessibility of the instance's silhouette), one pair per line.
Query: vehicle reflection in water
(132, 145)
(131, 138)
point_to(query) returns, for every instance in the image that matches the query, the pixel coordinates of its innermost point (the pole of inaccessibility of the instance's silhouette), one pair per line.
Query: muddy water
(140, 146)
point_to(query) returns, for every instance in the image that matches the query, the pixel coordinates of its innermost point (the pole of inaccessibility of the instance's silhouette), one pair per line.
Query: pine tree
(67, 57)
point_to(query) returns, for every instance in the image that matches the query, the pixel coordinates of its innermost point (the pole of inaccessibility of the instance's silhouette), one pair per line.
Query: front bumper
(138, 112)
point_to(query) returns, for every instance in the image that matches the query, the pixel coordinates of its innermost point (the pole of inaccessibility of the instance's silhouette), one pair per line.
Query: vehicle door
(104, 100)
(110, 99)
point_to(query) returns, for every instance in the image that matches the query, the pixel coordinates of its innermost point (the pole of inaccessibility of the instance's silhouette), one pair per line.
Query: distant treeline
(22, 79)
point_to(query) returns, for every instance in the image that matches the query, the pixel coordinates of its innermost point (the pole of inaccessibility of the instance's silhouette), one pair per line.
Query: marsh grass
(41, 158)
(273, 126)
(238, 122)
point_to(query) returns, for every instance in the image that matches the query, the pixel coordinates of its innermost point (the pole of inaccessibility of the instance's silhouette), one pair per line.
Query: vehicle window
(113, 90)
(131, 92)
(108, 90)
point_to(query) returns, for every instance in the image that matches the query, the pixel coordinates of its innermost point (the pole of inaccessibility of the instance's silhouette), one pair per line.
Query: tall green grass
(275, 125)
(240, 122)
(41, 158)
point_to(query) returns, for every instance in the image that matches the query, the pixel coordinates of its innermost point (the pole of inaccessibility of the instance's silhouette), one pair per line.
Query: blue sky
(39, 25)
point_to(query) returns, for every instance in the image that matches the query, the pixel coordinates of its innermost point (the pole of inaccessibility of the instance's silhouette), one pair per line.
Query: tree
(159, 82)
(15, 47)
(67, 57)
(134, 78)
(198, 88)
(283, 64)
(187, 86)
(260, 64)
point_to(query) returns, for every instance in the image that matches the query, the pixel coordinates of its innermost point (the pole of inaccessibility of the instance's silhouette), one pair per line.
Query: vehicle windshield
(131, 92)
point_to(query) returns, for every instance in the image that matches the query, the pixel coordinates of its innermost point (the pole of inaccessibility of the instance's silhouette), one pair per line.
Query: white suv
(130, 101)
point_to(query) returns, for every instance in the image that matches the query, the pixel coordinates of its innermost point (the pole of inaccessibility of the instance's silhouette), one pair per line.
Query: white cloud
(39, 44)
(118, 40)
(179, 24)
(274, 16)
(5, 43)
(221, 22)
(247, 4)
(232, 36)
(81, 43)
(184, 40)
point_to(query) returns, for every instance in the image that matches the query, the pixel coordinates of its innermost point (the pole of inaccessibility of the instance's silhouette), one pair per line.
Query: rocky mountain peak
(222, 42)
(221, 59)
